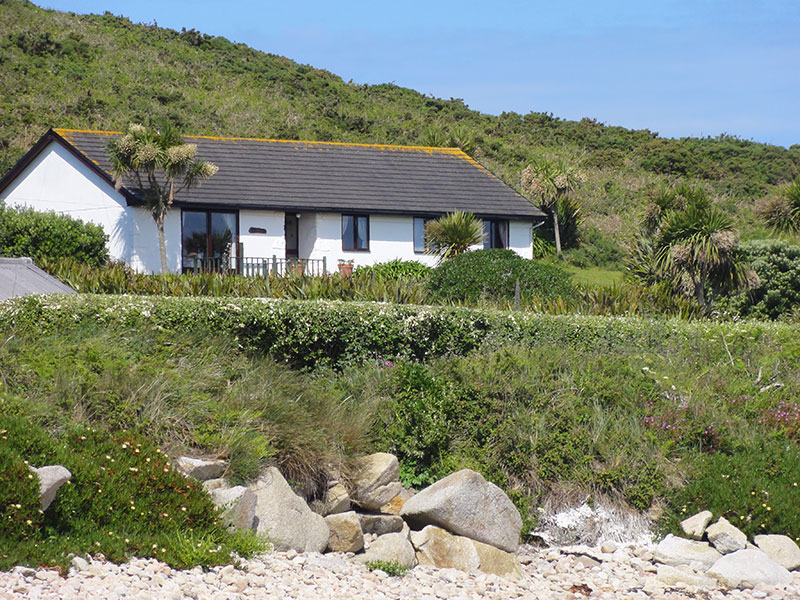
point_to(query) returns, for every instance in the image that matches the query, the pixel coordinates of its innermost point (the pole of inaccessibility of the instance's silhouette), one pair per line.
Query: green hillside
(102, 71)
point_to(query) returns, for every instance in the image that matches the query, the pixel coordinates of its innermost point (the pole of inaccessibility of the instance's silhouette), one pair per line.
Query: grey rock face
(200, 469)
(281, 515)
(675, 551)
(375, 480)
(695, 526)
(392, 547)
(51, 478)
(345, 532)
(780, 548)
(749, 566)
(725, 537)
(381, 524)
(466, 504)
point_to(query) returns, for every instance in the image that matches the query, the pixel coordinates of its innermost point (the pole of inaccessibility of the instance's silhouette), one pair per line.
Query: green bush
(39, 235)
(395, 270)
(777, 264)
(756, 487)
(123, 499)
(493, 274)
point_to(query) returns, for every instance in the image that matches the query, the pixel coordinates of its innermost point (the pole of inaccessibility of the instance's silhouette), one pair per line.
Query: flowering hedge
(313, 333)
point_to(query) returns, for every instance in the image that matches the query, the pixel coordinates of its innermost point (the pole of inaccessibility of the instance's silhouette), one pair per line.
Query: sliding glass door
(209, 239)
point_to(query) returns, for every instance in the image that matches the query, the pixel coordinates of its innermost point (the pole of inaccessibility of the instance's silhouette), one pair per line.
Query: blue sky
(678, 67)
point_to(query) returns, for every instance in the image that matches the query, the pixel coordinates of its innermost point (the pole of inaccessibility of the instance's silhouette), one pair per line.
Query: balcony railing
(257, 267)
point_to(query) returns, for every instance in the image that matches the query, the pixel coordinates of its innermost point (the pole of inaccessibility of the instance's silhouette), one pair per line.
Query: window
(496, 231)
(419, 234)
(355, 232)
(209, 239)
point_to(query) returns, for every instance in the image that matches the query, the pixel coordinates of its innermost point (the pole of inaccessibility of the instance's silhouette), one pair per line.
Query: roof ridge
(442, 149)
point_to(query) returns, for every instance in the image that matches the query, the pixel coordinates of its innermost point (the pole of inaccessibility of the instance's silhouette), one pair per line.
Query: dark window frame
(490, 229)
(354, 242)
(208, 212)
(425, 221)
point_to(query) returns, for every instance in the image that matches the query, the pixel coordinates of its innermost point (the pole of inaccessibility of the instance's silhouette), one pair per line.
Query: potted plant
(345, 267)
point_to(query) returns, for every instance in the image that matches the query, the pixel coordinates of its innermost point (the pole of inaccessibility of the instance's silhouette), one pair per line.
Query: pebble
(547, 574)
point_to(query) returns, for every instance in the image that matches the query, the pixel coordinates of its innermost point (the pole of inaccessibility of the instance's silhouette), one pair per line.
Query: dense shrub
(493, 274)
(38, 235)
(777, 264)
(395, 270)
(123, 499)
(756, 487)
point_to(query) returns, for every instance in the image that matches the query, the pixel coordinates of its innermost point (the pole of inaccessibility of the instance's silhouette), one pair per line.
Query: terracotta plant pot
(345, 269)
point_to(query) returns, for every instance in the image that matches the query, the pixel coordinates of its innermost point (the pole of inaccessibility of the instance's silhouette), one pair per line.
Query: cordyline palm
(698, 247)
(453, 234)
(161, 164)
(782, 212)
(553, 183)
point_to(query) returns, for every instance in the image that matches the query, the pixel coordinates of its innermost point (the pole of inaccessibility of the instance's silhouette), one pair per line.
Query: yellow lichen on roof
(457, 152)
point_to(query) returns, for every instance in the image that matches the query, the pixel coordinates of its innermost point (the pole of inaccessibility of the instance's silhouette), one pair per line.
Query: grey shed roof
(333, 177)
(20, 277)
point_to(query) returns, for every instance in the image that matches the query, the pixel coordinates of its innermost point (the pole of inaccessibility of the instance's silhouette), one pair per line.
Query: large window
(419, 234)
(209, 239)
(355, 232)
(496, 231)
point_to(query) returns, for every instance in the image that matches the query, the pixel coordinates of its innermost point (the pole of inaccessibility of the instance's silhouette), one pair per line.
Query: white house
(274, 201)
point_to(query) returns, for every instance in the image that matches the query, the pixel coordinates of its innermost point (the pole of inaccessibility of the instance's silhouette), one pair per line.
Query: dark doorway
(290, 231)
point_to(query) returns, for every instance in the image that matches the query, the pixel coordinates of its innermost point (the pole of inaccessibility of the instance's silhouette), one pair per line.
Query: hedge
(314, 333)
(26, 232)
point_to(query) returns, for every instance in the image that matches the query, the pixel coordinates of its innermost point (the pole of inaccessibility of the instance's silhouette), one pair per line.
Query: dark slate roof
(334, 177)
(20, 277)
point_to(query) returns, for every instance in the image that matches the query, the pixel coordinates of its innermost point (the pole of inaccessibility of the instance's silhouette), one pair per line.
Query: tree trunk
(162, 243)
(556, 230)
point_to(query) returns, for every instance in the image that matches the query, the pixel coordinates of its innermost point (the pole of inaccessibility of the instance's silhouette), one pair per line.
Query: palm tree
(553, 184)
(453, 234)
(161, 165)
(782, 211)
(697, 247)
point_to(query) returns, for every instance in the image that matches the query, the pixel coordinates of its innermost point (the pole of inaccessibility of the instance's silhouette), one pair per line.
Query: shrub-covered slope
(102, 71)
(630, 408)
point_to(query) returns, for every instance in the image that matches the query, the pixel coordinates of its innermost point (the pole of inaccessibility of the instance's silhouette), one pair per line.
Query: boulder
(496, 562)
(394, 505)
(200, 469)
(375, 480)
(466, 504)
(281, 515)
(392, 547)
(225, 497)
(336, 501)
(381, 524)
(51, 478)
(672, 576)
(695, 526)
(725, 537)
(752, 567)
(781, 549)
(345, 532)
(438, 548)
(675, 551)
(215, 484)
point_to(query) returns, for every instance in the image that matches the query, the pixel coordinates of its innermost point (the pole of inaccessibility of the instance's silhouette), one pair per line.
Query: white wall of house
(519, 238)
(58, 181)
(260, 245)
(391, 237)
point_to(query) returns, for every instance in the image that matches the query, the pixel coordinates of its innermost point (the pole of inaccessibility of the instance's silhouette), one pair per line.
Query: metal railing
(258, 267)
